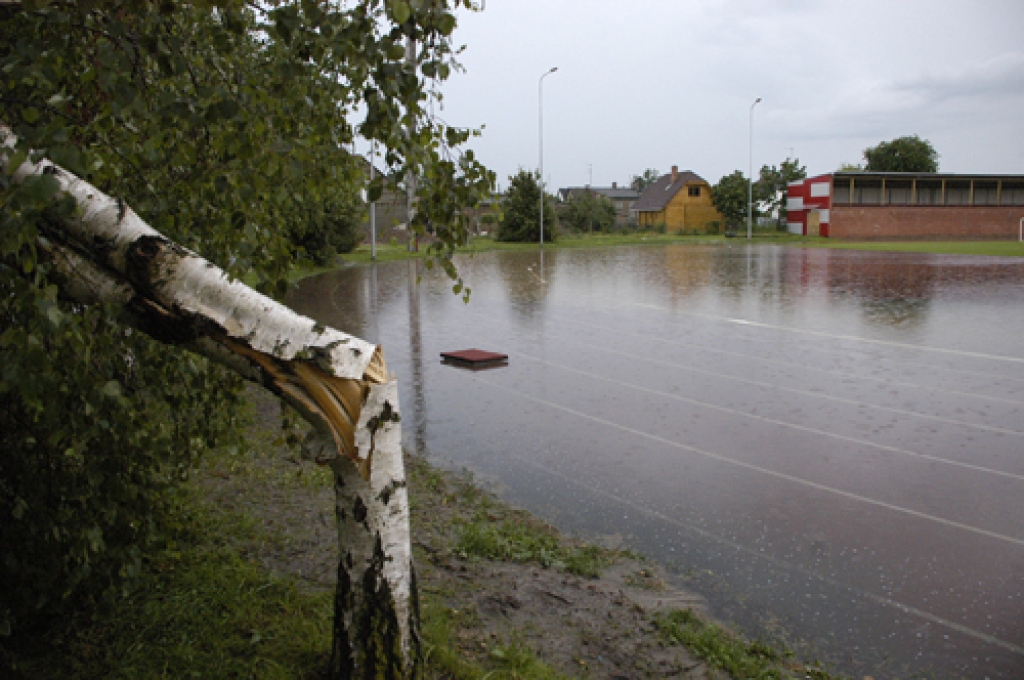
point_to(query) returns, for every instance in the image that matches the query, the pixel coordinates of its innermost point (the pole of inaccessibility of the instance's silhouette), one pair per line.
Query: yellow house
(681, 201)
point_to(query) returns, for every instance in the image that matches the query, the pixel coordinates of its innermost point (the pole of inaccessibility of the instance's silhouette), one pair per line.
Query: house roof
(657, 196)
(614, 193)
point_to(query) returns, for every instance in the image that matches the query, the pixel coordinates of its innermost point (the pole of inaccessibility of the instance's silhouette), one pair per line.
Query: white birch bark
(337, 381)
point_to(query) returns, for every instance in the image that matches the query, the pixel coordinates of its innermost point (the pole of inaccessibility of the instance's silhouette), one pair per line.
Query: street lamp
(540, 135)
(750, 177)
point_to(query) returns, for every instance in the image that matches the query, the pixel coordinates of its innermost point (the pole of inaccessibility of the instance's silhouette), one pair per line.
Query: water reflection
(824, 443)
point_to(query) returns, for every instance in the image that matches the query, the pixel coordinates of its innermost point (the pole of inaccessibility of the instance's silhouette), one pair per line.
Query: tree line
(588, 211)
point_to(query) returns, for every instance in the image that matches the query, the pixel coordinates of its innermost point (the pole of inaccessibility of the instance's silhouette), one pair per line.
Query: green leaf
(447, 24)
(112, 389)
(30, 115)
(400, 11)
(16, 159)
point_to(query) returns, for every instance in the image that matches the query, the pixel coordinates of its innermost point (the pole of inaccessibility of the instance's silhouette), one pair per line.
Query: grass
(203, 608)
(524, 539)
(997, 248)
(727, 652)
(482, 244)
(200, 609)
(510, 660)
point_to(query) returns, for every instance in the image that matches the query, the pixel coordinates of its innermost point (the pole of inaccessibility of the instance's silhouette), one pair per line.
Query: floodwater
(828, 445)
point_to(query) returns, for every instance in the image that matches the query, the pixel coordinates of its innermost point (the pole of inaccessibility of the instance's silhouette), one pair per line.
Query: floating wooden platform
(474, 358)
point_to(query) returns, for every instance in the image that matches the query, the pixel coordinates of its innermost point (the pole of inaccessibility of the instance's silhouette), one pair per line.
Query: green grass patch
(199, 609)
(727, 652)
(995, 248)
(520, 538)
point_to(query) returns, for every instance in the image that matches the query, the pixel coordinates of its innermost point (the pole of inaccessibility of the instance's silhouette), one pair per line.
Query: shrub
(97, 424)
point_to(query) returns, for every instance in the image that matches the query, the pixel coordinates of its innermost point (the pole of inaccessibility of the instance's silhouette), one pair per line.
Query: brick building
(906, 206)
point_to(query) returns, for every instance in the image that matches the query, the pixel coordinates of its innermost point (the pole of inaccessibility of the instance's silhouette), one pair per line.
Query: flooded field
(828, 445)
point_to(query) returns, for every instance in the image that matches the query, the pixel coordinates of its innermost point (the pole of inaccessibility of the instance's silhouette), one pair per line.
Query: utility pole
(540, 136)
(750, 177)
(412, 242)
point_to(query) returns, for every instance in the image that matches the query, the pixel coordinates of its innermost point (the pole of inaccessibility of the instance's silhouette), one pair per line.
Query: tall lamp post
(540, 135)
(750, 177)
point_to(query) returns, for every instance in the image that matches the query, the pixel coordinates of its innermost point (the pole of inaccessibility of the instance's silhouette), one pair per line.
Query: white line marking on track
(815, 395)
(713, 317)
(773, 421)
(789, 364)
(880, 599)
(757, 468)
(855, 338)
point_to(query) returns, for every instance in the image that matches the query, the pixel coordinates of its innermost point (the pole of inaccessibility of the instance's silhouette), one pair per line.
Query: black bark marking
(388, 491)
(367, 641)
(359, 512)
(343, 658)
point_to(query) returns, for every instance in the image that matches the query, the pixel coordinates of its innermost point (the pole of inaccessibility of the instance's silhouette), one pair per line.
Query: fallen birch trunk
(338, 382)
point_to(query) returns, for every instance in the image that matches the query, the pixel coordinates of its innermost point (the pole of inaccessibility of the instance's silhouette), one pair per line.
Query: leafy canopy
(730, 197)
(640, 183)
(903, 154)
(228, 127)
(771, 187)
(520, 220)
(588, 211)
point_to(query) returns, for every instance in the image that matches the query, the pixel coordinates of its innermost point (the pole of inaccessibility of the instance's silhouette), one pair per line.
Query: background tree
(730, 197)
(770, 188)
(520, 208)
(903, 154)
(588, 211)
(331, 226)
(225, 128)
(851, 167)
(640, 182)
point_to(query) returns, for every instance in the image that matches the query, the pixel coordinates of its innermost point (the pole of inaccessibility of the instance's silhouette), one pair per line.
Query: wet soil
(584, 627)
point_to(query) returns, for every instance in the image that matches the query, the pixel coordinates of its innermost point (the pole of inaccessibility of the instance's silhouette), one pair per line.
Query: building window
(841, 191)
(1013, 193)
(958, 192)
(929, 192)
(693, 190)
(867, 192)
(985, 192)
(897, 192)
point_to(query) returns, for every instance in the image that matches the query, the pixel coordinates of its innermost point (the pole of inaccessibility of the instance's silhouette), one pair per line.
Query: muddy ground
(584, 627)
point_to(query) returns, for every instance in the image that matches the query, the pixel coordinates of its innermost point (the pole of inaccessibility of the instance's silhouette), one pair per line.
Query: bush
(97, 424)
(589, 212)
(331, 228)
(520, 211)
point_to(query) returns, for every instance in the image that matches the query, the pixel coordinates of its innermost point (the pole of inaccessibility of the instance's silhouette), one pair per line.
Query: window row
(846, 191)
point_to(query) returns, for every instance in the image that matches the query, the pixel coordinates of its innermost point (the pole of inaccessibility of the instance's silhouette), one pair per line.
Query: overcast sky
(656, 83)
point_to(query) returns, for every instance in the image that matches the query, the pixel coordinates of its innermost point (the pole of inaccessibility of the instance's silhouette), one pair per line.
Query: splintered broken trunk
(339, 383)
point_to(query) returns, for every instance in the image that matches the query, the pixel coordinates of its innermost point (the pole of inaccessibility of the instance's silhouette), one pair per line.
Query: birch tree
(103, 253)
(201, 128)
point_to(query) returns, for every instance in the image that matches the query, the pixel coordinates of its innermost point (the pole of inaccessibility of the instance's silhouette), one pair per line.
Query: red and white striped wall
(805, 196)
